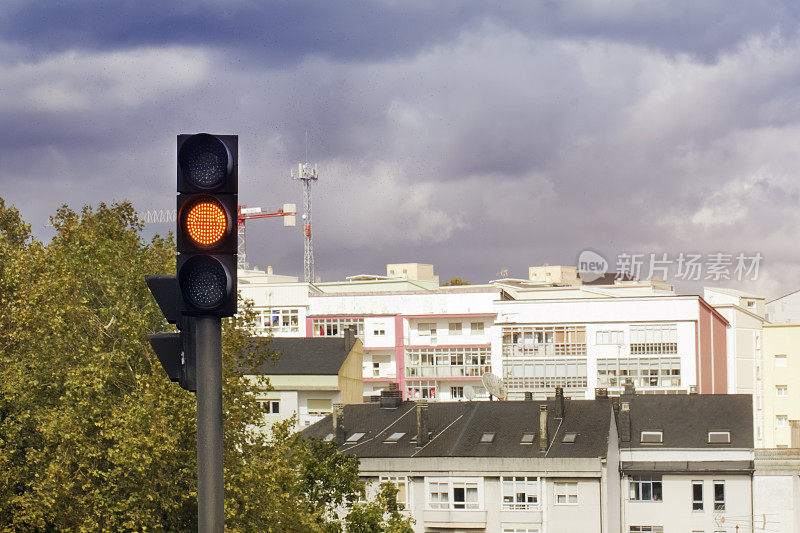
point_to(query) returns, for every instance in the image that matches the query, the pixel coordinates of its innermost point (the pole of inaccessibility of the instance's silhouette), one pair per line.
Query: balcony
(447, 371)
(450, 519)
(544, 350)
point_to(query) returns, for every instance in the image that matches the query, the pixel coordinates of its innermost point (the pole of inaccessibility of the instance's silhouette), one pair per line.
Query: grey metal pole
(210, 480)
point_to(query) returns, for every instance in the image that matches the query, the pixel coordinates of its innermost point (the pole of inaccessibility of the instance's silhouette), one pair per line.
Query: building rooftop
(305, 356)
(461, 429)
(685, 421)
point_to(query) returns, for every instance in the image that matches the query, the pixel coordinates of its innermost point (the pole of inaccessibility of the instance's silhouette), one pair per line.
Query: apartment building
(309, 376)
(510, 467)
(633, 464)
(581, 339)
(781, 382)
(436, 342)
(745, 314)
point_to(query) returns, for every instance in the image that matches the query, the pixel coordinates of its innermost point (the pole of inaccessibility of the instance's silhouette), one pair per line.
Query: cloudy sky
(474, 137)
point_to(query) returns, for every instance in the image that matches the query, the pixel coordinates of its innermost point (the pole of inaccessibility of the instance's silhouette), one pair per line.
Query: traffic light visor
(205, 161)
(206, 222)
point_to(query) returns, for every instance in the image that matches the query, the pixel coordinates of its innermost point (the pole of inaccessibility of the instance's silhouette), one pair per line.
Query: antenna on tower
(306, 173)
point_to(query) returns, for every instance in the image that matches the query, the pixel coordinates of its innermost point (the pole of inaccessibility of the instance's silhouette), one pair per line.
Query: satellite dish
(494, 385)
(469, 392)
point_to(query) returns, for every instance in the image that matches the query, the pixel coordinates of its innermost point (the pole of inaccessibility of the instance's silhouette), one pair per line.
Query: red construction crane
(248, 213)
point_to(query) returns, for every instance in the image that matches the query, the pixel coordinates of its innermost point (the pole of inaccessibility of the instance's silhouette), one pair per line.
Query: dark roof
(686, 419)
(305, 356)
(457, 428)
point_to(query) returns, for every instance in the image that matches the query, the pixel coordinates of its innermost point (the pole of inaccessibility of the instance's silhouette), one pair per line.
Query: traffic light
(206, 234)
(176, 351)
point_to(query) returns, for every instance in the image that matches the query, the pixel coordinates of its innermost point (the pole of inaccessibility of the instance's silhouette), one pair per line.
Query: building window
(719, 495)
(454, 328)
(544, 340)
(566, 492)
(780, 361)
(476, 328)
(781, 391)
(609, 337)
(453, 493)
(652, 437)
(654, 339)
(719, 437)
(647, 529)
(421, 389)
(318, 407)
(520, 493)
(379, 332)
(270, 407)
(544, 374)
(456, 392)
(448, 362)
(376, 369)
(782, 421)
(644, 488)
(642, 372)
(401, 484)
(280, 320)
(426, 329)
(697, 495)
(334, 327)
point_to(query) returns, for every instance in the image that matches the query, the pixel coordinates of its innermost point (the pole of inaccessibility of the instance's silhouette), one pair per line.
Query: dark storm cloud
(475, 137)
(284, 31)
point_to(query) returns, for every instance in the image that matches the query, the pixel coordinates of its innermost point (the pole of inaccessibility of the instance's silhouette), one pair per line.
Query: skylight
(354, 437)
(569, 437)
(328, 437)
(527, 438)
(719, 437)
(487, 437)
(394, 437)
(652, 437)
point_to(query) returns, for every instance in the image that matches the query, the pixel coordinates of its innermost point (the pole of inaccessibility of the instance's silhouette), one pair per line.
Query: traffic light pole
(210, 481)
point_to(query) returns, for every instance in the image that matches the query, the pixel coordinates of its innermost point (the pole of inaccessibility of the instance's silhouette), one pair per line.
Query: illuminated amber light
(206, 223)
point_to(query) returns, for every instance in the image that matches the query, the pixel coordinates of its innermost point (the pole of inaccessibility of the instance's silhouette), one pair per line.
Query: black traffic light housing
(207, 208)
(175, 351)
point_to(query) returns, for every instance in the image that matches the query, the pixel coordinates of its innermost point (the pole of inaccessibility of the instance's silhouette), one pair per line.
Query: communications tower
(306, 173)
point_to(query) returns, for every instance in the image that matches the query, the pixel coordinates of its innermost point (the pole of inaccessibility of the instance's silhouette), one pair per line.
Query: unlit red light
(206, 223)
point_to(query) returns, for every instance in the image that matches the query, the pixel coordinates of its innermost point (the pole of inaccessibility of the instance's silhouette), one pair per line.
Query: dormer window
(719, 437)
(394, 437)
(652, 437)
(487, 437)
(354, 438)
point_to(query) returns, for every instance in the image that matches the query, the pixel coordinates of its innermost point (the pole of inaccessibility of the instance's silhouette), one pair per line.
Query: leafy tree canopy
(94, 437)
(456, 281)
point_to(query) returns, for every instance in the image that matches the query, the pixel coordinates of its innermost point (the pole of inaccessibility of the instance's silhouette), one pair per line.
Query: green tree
(93, 437)
(456, 281)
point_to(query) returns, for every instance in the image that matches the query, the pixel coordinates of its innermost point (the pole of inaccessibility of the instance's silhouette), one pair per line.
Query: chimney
(559, 402)
(349, 338)
(625, 421)
(795, 433)
(629, 388)
(600, 393)
(528, 396)
(543, 437)
(338, 421)
(269, 270)
(391, 398)
(422, 423)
